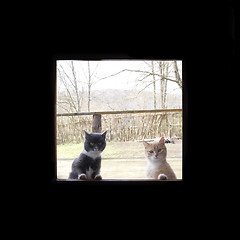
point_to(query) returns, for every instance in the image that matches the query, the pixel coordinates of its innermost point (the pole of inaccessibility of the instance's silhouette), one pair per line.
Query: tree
(154, 87)
(89, 87)
(177, 75)
(76, 88)
(72, 98)
(163, 69)
(159, 71)
(153, 72)
(91, 80)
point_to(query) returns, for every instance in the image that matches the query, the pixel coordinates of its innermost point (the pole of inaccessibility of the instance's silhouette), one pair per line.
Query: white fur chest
(89, 173)
(152, 168)
(92, 154)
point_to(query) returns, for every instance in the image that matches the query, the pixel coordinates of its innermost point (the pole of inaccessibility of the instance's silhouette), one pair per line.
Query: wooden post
(97, 124)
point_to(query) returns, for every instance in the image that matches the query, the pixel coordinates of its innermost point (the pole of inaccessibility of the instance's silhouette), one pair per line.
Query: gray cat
(88, 164)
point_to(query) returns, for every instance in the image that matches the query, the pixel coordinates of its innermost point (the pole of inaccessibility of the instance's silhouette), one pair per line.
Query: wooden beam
(96, 123)
(120, 112)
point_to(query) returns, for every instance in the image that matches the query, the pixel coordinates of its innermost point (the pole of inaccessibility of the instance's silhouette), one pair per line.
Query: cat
(157, 165)
(87, 166)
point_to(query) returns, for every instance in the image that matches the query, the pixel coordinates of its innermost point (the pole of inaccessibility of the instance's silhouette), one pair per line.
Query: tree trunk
(163, 69)
(177, 75)
(75, 85)
(154, 88)
(165, 86)
(89, 87)
(161, 83)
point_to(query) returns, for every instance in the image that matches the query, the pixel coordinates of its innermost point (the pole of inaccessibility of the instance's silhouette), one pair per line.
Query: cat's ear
(104, 134)
(145, 144)
(86, 133)
(162, 140)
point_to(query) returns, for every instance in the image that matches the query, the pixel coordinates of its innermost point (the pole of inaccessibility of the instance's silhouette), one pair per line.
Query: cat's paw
(162, 177)
(82, 176)
(98, 177)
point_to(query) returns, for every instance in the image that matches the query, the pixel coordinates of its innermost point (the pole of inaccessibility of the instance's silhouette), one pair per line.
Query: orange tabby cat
(157, 165)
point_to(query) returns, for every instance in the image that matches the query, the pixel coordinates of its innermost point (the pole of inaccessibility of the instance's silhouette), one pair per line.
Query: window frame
(103, 182)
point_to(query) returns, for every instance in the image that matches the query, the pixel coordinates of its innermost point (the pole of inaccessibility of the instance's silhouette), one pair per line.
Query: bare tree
(91, 80)
(163, 69)
(160, 71)
(72, 98)
(154, 87)
(148, 73)
(89, 87)
(177, 75)
(75, 88)
(78, 93)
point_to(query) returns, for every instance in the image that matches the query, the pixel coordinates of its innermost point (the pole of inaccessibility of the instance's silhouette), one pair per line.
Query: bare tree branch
(71, 84)
(66, 87)
(139, 71)
(112, 75)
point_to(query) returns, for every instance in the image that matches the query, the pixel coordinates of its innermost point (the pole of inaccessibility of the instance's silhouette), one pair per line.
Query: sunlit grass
(119, 159)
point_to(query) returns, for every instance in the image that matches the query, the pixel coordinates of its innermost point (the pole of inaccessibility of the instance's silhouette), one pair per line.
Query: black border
(206, 41)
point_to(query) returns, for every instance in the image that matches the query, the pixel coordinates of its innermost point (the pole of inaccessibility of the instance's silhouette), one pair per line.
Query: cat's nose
(156, 155)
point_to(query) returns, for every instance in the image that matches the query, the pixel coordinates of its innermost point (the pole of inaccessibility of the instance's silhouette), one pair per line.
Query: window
(133, 100)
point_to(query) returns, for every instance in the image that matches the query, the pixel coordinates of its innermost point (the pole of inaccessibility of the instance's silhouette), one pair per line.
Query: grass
(69, 150)
(113, 150)
(119, 159)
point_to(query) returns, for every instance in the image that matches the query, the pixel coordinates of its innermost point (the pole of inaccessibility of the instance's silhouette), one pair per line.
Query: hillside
(118, 99)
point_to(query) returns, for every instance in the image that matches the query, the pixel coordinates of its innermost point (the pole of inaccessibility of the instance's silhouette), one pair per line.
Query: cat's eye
(91, 143)
(100, 144)
(150, 151)
(159, 150)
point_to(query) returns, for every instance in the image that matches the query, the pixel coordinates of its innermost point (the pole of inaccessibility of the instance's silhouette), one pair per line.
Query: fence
(121, 125)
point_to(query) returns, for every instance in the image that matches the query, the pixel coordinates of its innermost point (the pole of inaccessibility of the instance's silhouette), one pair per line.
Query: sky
(125, 80)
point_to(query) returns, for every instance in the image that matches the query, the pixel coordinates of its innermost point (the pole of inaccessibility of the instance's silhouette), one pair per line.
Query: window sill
(116, 180)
